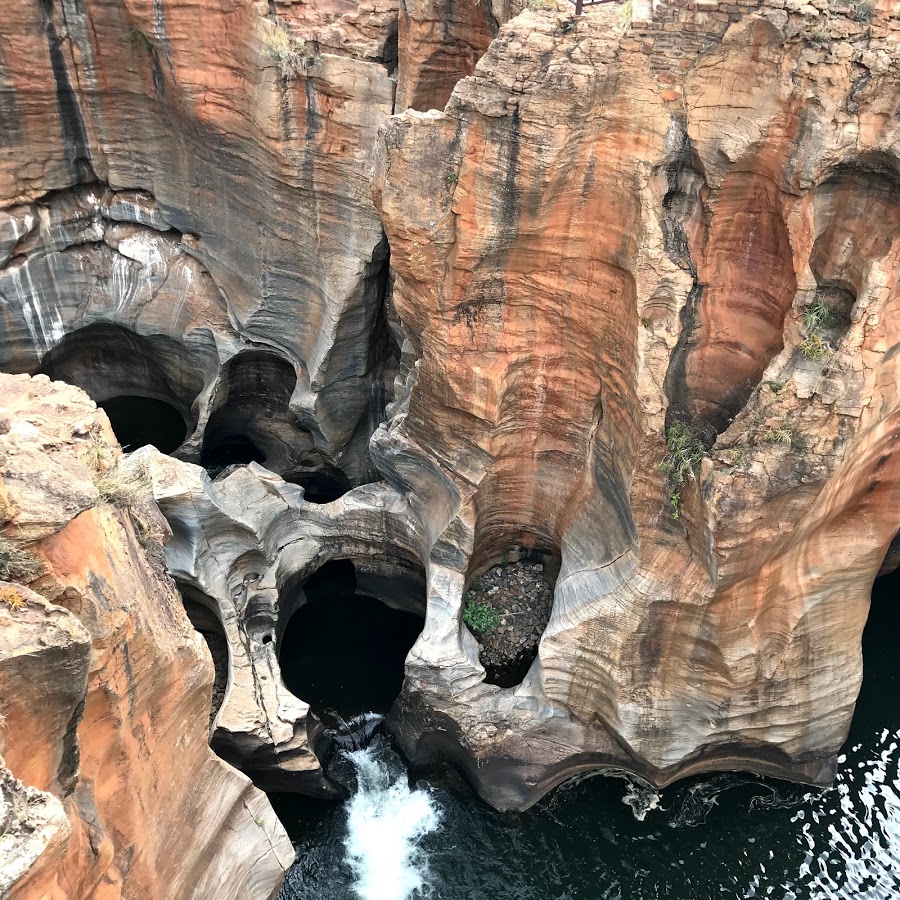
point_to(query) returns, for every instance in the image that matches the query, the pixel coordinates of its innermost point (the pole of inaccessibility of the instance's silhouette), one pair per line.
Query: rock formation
(620, 295)
(104, 685)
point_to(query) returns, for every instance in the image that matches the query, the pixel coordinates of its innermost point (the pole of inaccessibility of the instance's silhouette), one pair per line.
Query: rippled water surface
(729, 836)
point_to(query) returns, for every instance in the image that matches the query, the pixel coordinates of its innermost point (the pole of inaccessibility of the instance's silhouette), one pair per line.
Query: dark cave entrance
(343, 650)
(878, 705)
(321, 486)
(139, 421)
(507, 605)
(146, 385)
(250, 420)
(203, 615)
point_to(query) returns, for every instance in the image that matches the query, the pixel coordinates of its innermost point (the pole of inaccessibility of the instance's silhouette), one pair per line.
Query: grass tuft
(12, 598)
(18, 565)
(814, 347)
(685, 452)
(124, 487)
(288, 54)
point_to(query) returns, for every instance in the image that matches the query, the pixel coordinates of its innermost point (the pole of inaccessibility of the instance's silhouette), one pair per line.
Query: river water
(722, 836)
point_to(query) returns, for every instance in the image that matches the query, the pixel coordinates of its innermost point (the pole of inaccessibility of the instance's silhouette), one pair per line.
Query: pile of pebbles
(521, 598)
(218, 649)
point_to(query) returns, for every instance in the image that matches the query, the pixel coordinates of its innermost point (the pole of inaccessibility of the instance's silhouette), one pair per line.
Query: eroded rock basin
(726, 835)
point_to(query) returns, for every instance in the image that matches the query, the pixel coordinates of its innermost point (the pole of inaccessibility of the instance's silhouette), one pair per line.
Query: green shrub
(816, 315)
(541, 4)
(480, 617)
(18, 565)
(685, 452)
(776, 384)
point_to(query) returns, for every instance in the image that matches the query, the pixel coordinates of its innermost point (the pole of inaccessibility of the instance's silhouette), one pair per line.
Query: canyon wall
(108, 788)
(624, 293)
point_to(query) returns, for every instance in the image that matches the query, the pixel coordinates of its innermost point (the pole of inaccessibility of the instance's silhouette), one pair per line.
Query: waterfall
(386, 820)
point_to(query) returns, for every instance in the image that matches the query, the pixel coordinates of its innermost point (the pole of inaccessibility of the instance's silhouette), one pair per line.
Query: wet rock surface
(520, 598)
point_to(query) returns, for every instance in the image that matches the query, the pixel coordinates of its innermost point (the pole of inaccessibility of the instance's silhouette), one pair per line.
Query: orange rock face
(583, 263)
(105, 687)
(643, 321)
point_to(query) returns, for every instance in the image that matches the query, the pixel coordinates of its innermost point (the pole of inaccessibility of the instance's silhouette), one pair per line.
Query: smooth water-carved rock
(631, 298)
(609, 249)
(242, 546)
(265, 175)
(104, 685)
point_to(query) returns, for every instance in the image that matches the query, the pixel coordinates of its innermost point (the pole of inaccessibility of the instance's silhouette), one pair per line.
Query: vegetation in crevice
(289, 54)
(685, 452)
(480, 617)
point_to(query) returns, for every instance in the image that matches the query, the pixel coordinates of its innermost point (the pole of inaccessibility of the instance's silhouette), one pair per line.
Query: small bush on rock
(480, 617)
(18, 565)
(862, 10)
(123, 487)
(12, 598)
(814, 347)
(286, 52)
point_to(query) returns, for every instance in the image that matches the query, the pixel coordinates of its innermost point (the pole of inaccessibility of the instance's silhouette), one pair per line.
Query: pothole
(343, 650)
(507, 609)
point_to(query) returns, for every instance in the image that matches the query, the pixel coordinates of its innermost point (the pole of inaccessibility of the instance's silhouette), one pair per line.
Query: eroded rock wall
(266, 173)
(598, 231)
(104, 685)
(616, 235)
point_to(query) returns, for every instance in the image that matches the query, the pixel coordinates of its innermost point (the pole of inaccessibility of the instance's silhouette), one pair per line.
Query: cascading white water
(385, 823)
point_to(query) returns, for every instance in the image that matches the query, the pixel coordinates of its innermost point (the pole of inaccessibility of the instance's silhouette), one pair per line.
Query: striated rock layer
(104, 685)
(603, 236)
(613, 238)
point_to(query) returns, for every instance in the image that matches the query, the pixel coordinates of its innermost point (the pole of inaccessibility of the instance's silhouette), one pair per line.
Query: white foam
(385, 823)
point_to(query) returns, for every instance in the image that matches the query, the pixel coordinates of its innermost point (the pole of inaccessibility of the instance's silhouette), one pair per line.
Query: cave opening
(146, 385)
(250, 418)
(322, 485)
(202, 614)
(507, 605)
(138, 421)
(349, 628)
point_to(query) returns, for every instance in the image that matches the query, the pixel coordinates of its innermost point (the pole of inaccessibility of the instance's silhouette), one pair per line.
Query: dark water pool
(343, 652)
(723, 836)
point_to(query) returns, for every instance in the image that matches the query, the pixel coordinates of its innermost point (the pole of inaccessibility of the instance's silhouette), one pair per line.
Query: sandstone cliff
(104, 685)
(626, 298)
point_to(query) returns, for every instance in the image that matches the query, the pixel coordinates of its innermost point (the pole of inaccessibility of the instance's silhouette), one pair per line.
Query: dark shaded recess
(881, 672)
(75, 144)
(138, 421)
(146, 385)
(343, 651)
(322, 486)
(390, 54)
(684, 180)
(511, 675)
(255, 388)
(384, 350)
(203, 615)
